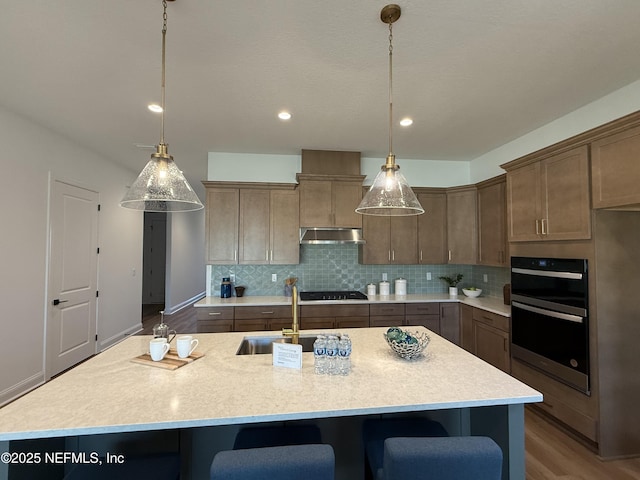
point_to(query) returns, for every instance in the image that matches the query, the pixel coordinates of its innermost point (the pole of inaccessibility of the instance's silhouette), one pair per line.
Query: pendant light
(390, 194)
(161, 186)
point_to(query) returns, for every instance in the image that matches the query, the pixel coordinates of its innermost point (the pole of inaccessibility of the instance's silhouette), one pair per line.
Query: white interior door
(73, 268)
(154, 257)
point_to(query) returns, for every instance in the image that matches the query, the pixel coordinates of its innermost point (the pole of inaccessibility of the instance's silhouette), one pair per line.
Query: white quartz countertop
(110, 394)
(492, 304)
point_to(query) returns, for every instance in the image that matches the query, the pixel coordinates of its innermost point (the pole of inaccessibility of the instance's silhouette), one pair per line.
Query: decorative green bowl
(405, 344)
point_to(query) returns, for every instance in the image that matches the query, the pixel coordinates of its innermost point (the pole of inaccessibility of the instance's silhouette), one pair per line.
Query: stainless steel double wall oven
(550, 317)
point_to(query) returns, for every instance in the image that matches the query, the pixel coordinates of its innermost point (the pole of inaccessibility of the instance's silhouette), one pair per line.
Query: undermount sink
(262, 345)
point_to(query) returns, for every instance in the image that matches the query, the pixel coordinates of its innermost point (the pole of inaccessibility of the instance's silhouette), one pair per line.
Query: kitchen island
(109, 394)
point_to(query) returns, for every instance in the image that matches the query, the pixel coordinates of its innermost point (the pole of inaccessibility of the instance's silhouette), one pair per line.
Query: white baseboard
(186, 303)
(109, 342)
(21, 388)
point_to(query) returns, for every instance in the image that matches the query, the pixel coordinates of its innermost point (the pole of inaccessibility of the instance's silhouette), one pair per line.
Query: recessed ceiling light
(155, 108)
(405, 122)
(284, 115)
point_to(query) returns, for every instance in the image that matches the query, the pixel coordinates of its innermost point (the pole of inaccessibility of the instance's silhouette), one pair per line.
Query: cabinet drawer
(265, 312)
(561, 402)
(378, 309)
(214, 326)
(214, 313)
(348, 310)
(497, 321)
(423, 308)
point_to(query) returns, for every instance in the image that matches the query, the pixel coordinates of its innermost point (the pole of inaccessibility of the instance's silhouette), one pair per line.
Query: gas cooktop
(332, 295)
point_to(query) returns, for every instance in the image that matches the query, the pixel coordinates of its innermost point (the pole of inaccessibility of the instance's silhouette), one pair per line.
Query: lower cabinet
(386, 314)
(249, 319)
(441, 318)
(486, 335)
(334, 316)
(214, 319)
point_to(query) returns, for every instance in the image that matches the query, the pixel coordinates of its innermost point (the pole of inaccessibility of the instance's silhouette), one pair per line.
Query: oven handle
(549, 313)
(548, 273)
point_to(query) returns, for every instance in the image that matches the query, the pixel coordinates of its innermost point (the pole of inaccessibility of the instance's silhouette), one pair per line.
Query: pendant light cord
(390, 88)
(162, 86)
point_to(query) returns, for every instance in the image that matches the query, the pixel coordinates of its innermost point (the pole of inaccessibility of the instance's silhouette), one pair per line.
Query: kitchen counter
(110, 394)
(492, 304)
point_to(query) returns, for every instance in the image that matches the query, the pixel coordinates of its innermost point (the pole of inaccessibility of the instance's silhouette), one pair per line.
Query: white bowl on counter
(472, 293)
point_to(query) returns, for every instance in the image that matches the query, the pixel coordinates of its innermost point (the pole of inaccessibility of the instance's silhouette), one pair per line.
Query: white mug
(186, 344)
(158, 348)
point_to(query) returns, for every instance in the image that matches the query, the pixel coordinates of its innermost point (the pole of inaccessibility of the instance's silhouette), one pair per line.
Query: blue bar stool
(291, 462)
(442, 458)
(376, 430)
(276, 436)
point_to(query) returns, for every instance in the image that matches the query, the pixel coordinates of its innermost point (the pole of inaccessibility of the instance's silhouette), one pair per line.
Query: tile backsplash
(336, 267)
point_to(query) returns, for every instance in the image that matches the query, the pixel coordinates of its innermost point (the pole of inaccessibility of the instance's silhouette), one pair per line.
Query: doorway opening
(154, 263)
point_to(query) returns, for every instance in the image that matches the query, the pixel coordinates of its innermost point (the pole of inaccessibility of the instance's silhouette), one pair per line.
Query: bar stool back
(291, 462)
(442, 458)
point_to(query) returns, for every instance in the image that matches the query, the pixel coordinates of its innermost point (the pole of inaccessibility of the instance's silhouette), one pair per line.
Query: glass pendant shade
(161, 187)
(390, 195)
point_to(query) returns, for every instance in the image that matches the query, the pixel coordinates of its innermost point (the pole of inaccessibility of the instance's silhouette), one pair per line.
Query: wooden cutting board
(171, 360)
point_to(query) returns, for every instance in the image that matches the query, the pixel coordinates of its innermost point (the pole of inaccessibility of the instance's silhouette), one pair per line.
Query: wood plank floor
(551, 453)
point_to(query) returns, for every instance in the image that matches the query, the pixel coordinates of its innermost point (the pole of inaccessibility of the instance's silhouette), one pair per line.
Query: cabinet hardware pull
(420, 255)
(449, 255)
(271, 256)
(235, 255)
(214, 313)
(537, 227)
(267, 313)
(267, 255)
(393, 255)
(545, 231)
(389, 255)
(488, 319)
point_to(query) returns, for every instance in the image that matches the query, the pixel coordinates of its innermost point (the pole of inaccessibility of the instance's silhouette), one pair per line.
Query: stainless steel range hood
(330, 236)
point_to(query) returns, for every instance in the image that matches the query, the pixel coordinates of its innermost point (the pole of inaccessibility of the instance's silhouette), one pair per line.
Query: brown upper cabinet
(548, 199)
(462, 225)
(492, 222)
(432, 226)
(330, 200)
(615, 171)
(390, 240)
(252, 224)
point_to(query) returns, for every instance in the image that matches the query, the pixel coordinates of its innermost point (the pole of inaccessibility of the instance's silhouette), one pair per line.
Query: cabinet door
(615, 170)
(450, 321)
(346, 197)
(284, 228)
(462, 232)
(377, 250)
(523, 203)
(221, 230)
(432, 228)
(315, 203)
(492, 236)
(403, 235)
(430, 321)
(565, 183)
(466, 328)
(254, 227)
(312, 323)
(492, 345)
(351, 322)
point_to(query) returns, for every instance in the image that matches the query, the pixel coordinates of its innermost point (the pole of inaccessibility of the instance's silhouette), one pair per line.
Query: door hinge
(99, 206)
(98, 250)
(96, 337)
(97, 293)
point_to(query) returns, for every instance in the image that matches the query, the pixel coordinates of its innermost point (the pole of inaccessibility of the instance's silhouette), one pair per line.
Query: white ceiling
(472, 74)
